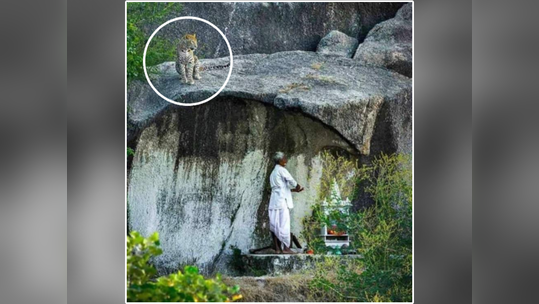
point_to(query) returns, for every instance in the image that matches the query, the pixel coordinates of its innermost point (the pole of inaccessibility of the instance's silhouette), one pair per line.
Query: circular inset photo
(180, 67)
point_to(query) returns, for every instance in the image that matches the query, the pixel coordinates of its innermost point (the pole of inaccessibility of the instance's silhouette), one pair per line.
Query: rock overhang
(338, 91)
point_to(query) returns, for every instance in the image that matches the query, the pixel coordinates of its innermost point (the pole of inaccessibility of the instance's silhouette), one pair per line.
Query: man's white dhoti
(280, 202)
(280, 225)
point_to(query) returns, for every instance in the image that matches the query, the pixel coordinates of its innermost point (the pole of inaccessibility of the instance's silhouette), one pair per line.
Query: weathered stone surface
(338, 91)
(389, 43)
(200, 177)
(200, 174)
(259, 27)
(338, 44)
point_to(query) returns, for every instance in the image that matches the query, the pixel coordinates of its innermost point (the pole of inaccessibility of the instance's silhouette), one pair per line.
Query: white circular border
(173, 101)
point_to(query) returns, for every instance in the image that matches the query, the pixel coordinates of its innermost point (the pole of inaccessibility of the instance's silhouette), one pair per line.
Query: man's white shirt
(281, 183)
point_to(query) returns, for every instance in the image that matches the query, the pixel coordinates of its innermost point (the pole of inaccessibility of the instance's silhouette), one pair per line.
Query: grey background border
(34, 149)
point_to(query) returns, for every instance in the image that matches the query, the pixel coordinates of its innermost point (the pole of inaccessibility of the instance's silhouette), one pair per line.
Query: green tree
(141, 16)
(186, 286)
(382, 234)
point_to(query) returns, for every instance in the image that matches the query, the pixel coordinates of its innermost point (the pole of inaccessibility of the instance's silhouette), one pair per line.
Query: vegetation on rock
(382, 234)
(140, 15)
(340, 170)
(186, 286)
(130, 151)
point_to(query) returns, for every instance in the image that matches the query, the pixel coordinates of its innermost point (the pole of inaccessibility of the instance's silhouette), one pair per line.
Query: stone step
(280, 264)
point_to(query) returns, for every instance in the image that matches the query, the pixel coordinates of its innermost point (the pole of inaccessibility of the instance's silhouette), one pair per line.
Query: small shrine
(335, 232)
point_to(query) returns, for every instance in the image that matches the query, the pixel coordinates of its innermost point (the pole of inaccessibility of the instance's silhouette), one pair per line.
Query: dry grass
(295, 85)
(287, 288)
(342, 168)
(321, 284)
(317, 65)
(321, 78)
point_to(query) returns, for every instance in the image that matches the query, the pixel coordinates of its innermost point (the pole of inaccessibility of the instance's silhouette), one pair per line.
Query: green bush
(339, 169)
(382, 234)
(140, 17)
(130, 152)
(186, 286)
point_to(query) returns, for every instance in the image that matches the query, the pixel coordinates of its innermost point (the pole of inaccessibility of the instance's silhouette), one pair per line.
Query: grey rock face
(275, 27)
(389, 44)
(337, 43)
(200, 174)
(336, 90)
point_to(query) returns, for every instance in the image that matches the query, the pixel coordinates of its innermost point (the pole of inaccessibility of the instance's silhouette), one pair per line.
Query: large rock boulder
(337, 91)
(200, 177)
(338, 44)
(200, 174)
(269, 27)
(389, 44)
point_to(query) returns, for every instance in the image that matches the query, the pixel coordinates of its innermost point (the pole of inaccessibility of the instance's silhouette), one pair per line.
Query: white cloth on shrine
(280, 202)
(280, 225)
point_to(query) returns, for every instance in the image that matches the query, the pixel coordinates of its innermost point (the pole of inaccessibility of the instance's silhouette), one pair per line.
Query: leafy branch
(141, 17)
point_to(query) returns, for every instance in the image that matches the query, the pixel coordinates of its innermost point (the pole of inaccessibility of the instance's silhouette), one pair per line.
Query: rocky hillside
(389, 43)
(269, 27)
(199, 174)
(338, 91)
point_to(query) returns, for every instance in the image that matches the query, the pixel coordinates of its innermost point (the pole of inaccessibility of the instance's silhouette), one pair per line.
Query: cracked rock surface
(338, 91)
(338, 44)
(199, 175)
(389, 44)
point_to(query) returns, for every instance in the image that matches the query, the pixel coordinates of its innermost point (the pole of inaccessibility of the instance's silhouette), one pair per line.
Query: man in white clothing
(282, 186)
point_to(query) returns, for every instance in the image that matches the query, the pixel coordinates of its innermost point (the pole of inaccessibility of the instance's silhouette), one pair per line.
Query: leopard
(187, 63)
